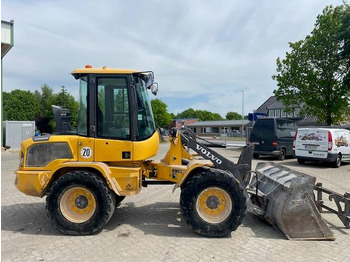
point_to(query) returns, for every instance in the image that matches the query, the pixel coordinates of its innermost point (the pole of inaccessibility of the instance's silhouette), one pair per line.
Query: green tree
(20, 105)
(44, 117)
(313, 73)
(188, 113)
(203, 115)
(161, 115)
(344, 37)
(37, 96)
(233, 116)
(46, 97)
(28, 106)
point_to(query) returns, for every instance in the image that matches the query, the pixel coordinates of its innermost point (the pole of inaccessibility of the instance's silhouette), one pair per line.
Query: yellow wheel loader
(86, 173)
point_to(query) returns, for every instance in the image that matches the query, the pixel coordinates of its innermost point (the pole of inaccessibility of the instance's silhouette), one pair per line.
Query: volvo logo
(208, 154)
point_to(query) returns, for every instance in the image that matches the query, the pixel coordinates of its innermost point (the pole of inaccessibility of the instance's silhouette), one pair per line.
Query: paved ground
(149, 227)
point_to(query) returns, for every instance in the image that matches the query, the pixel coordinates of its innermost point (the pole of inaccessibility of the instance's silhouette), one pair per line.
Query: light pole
(242, 111)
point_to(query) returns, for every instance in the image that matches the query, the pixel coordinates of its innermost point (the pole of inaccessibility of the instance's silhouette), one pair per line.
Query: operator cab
(114, 104)
(115, 120)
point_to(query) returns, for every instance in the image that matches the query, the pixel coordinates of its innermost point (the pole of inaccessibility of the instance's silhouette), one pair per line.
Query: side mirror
(154, 88)
(149, 78)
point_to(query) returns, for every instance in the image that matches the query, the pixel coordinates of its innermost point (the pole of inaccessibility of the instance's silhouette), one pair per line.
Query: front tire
(80, 203)
(213, 203)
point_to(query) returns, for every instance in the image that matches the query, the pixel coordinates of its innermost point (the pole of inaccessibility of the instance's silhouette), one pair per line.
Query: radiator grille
(39, 155)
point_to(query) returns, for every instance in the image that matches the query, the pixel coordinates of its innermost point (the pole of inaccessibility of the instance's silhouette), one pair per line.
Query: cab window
(113, 108)
(82, 114)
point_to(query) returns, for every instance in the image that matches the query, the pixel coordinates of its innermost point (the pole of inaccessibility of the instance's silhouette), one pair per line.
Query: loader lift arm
(343, 214)
(241, 170)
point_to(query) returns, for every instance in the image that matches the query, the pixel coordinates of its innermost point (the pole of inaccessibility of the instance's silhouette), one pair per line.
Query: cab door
(113, 134)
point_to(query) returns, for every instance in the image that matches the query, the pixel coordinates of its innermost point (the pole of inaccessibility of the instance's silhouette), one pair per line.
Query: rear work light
(295, 139)
(330, 141)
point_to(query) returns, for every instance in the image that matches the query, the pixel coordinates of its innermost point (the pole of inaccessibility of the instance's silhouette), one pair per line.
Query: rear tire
(301, 161)
(80, 203)
(282, 154)
(213, 203)
(337, 162)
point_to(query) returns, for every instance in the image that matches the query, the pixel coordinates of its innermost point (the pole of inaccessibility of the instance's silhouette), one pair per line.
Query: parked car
(323, 144)
(273, 136)
(235, 133)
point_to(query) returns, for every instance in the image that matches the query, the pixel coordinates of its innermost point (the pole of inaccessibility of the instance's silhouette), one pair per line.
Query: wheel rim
(213, 205)
(78, 204)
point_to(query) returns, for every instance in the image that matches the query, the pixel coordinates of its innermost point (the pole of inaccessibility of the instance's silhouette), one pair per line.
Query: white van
(322, 144)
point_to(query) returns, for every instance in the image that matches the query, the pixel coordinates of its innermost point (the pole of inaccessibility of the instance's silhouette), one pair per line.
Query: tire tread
(80, 178)
(212, 177)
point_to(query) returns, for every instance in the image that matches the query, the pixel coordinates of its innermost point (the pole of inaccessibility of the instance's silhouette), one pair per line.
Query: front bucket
(285, 198)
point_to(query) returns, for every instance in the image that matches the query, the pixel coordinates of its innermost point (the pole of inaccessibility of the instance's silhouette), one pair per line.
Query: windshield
(82, 114)
(286, 128)
(263, 129)
(145, 121)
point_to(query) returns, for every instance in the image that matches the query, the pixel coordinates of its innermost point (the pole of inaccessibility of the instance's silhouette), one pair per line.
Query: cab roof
(104, 70)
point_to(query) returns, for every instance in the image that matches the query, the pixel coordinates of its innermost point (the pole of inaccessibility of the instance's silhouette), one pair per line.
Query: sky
(208, 55)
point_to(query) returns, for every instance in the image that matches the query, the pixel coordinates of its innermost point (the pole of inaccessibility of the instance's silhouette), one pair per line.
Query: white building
(7, 37)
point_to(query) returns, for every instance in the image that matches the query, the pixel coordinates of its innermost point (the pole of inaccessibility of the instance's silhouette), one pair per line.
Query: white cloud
(209, 49)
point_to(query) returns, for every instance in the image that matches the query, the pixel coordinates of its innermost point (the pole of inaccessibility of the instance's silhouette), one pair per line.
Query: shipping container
(14, 132)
